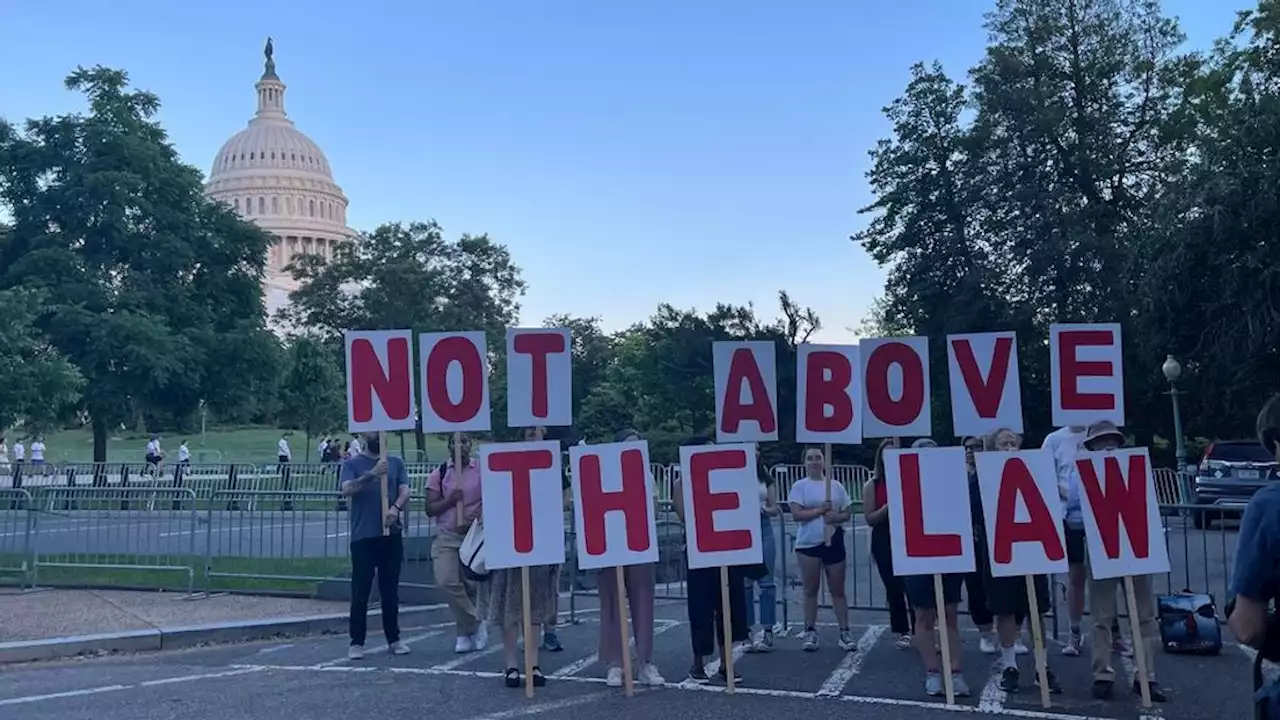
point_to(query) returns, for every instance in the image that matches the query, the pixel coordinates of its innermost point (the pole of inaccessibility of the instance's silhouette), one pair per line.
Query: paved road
(310, 678)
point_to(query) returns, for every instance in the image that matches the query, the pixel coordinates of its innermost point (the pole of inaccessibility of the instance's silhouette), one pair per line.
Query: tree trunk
(99, 439)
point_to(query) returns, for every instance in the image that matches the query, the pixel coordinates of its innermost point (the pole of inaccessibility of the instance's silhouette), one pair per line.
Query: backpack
(1189, 623)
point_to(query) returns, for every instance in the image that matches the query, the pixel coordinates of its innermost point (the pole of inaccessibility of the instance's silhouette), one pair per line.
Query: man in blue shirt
(371, 551)
(1254, 581)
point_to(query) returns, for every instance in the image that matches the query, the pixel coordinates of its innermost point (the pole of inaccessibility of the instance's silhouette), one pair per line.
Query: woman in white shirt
(814, 551)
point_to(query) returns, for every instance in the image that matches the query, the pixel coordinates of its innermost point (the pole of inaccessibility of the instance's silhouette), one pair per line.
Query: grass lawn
(241, 444)
(177, 578)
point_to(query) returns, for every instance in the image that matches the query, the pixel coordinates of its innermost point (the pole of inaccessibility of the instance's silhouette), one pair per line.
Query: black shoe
(723, 677)
(1157, 692)
(512, 678)
(1055, 687)
(1102, 689)
(1009, 679)
(698, 675)
(539, 680)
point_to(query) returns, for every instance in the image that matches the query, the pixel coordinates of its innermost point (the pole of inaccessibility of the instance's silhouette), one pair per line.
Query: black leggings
(901, 618)
(702, 597)
(975, 583)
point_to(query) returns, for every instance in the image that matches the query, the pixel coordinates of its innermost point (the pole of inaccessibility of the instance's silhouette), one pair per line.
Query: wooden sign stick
(1037, 641)
(527, 613)
(382, 480)
(627, 683)
(457, 478)
(727, 647)
(939, 601)
(1139, 647)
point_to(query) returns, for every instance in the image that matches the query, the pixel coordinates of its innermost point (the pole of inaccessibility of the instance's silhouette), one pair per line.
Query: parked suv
(1228, 476)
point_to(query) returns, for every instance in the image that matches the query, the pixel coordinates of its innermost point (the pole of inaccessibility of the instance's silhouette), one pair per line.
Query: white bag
(471, 553)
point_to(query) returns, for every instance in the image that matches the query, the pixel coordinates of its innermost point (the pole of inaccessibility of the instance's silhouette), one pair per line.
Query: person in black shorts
(875, 509)
(819, 545)
(1007, 596)
(924, 603)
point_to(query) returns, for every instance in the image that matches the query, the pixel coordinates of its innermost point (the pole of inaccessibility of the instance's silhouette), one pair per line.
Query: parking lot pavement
(310, 677)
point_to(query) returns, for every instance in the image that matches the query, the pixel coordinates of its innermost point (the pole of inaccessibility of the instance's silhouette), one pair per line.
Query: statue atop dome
(269, 52)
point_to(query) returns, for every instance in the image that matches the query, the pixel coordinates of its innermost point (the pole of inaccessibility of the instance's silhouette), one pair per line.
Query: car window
(1240, 452)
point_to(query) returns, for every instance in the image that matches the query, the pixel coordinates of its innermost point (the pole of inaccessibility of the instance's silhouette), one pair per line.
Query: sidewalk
(49, 624)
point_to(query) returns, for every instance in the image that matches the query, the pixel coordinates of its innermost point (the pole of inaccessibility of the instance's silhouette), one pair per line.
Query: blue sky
(627, 152)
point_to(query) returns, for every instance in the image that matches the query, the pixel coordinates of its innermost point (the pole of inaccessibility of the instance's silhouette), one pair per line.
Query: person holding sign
(1104, 610)
(924, 604)
(875, 508)
(705, 603)
(640, 582)
(372, 551)
(1007, 597)
(762, 642)
(975, 584)
(816, 552)
(446, 486)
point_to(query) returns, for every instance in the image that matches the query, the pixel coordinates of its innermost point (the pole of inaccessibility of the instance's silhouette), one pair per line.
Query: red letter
(538, 346)
(368, 379)
(881, 404)
(986, 393)
(743, 368)
(1071, 369)
(445, 353)
(1121, 499)
(705, 502)
(1016, 480)
(820, 393)
(521, 466)
(920, 543)
(632, 501)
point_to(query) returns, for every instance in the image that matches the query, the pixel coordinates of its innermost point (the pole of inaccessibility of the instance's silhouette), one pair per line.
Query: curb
(172, 638)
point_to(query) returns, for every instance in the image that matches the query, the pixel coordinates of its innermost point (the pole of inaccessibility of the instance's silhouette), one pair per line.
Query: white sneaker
(903, 641)
(987, 644)
(649, 675)
(1020, 648)
(355, 652)
(481, 637)
(614, 678)
(463, 645)
(763, 642)
(810, 641)
(399, 648)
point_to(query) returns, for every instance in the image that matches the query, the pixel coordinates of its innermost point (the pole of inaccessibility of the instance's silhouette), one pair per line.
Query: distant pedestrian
(324, 450)
(283, 456)
(154, 455)
(19, 458)
(37, 451)
(373, 553)
(353, 447)
(4, 456)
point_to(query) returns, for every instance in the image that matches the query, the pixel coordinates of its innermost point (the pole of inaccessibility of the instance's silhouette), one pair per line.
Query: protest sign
(1023, 513)
(1121, 514)
(380, 390)
(613, 509)
(828, 394)
(895, 387)
(1086, 374)
(982, 369)
(455, 382)
(929, 520)
(539, 378)
(746, 387)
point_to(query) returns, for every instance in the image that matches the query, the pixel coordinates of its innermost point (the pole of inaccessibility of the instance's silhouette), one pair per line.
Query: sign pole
(1139, 647)
(526, 611)
(1037, 641)
(457, 479)
(945, 638)
(727, 647)
(627, 682)
(382, 482)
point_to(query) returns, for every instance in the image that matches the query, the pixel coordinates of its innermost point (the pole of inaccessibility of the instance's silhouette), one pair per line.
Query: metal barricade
(15, 534)
(124, 536)
(259, 540)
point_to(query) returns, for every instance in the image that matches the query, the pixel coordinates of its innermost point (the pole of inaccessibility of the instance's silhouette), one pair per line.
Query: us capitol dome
(278, 178)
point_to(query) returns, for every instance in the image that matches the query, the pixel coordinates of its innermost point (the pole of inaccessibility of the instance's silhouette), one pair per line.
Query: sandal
(512, 678)
(539, 680)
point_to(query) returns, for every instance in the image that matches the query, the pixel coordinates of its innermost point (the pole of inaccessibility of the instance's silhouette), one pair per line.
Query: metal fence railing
(16, 535)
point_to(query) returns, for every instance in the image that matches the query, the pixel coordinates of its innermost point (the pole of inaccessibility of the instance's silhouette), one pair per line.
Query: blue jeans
(768, 589)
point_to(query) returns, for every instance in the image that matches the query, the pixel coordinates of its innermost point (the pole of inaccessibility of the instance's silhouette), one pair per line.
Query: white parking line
(541, 708)
(68, 694)
(852, 663)
(992, 698)
(204, 676)
(692, 687)
(235, 670)
(577, 666)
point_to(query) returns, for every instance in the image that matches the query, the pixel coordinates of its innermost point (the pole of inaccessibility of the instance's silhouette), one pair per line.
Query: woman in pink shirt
(445, 487)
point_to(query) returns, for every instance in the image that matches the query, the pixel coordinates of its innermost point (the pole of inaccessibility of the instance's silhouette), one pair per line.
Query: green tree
(312, 390)
(40, 385)
(408, 276)
(151, 291)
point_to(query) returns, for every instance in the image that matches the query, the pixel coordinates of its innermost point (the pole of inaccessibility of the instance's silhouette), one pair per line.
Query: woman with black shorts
(815, 552)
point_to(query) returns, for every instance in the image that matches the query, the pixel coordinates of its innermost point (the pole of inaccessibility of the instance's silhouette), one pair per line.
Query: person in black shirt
(974, 585)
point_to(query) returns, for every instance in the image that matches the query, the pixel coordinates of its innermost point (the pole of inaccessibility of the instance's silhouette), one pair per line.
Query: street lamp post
(1172, 370)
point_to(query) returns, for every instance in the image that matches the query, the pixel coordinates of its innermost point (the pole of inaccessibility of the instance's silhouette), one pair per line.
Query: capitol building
(273, 175)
